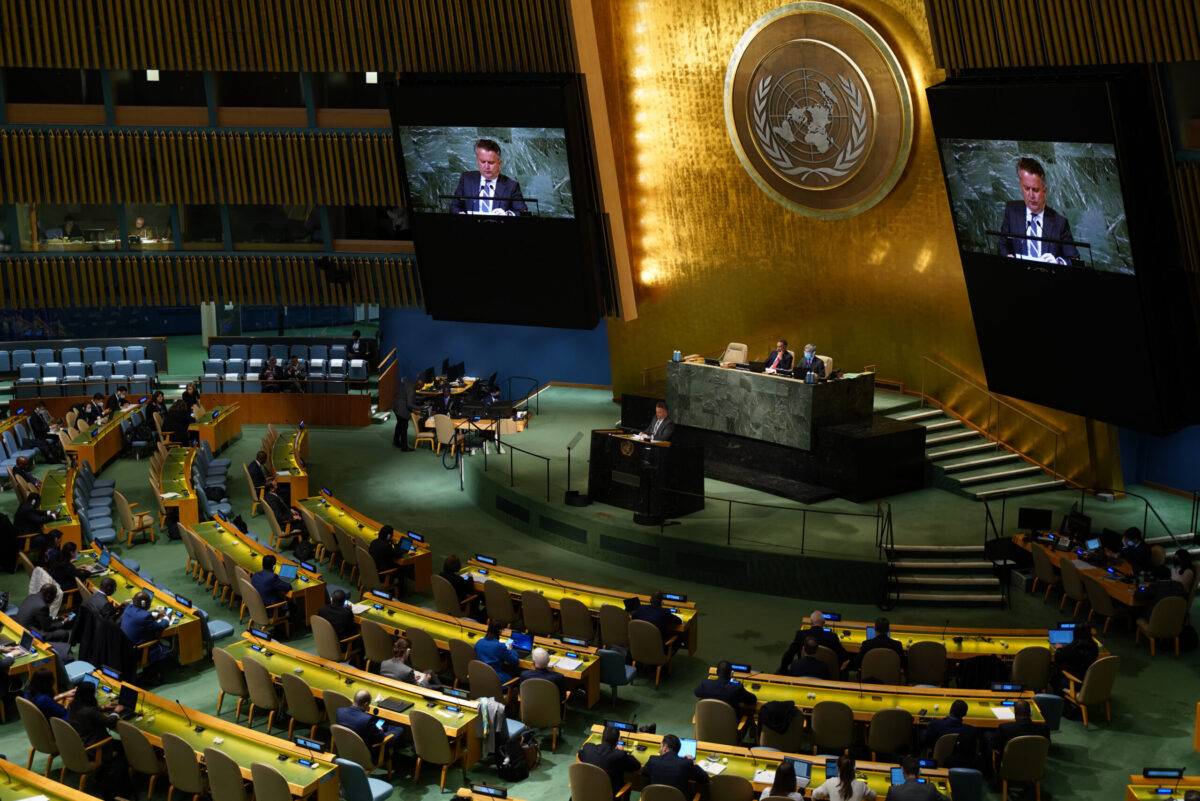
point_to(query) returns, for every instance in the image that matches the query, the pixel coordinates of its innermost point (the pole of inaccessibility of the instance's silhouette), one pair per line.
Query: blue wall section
(547, 354)
(1173, 461)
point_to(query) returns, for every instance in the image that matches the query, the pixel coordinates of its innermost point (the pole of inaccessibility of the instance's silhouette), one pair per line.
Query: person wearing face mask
(809, 362)
(486, 190)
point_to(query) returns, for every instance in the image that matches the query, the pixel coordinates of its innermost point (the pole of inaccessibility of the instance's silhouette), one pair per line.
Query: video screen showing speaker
(499, 173)
(1068, 244)
(487, 170)
(1057, 203)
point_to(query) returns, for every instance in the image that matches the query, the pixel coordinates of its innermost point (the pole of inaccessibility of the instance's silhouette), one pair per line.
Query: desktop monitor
(1034, 519)
(1093, 544)
(801, 767)
(1061, 636)
(897, 776)
(687, 747)
(831, 770)
(311, 745)
(288, 572)
(27, 641)
(870, 633)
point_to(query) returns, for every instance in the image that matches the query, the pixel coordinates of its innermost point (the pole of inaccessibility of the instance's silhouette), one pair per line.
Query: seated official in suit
(24, 469)
(778, 359)
(141, 625)
(807, 665)
(810, 363)
(98, 603)
(258, 470)
(270, 586)
(725, 688)
(34, 613)
(666, 622)
(816, 630)
(495, 654)
(882, 640)
(486, 190)
(541, 670)
(1031, 217)
(951, 724)
(94, 409)
(285, 515)
(358, 719)
(671, 769)
(1134, 549)
(340, 615)
(913, 789)
(607, 756)
(1022, 725)
(661, 428)
(40, 693)
(399, 669)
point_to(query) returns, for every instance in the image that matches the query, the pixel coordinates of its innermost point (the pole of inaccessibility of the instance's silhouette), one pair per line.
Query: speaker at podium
(655, 480)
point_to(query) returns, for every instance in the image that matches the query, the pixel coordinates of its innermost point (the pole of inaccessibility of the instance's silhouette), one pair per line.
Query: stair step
(1020, 489)
(952, 452)
(972, 463)
(942, 425)
(956, 436)
(998, 475)
(950, 581)
(947, 549)
(923, 414)
(942, 564)
(950, 597)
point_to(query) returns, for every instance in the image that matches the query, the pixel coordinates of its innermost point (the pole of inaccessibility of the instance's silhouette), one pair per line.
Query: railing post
(803, 529)
(729, 525)
(512, 474)
(547, 481)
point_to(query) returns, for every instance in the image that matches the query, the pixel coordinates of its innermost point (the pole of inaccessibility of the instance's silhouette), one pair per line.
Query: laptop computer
(288, 572)
(687, 747)
(1061, 636)
(632, 604)
(128, 700)
(522, 642)
(802, 770)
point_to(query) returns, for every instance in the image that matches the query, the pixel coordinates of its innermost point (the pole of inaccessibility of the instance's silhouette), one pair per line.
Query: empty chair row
(102, 369)
(251, 383)
(355, 369)
(13, 360)
(71, 386)
(281, 352)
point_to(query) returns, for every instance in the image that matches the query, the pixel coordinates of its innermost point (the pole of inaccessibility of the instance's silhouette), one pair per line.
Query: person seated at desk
(140, 230)
(386, 554)
(541, 670)
(1022, 725)
(117, 400)
(93, 410)
(495, 654)
(158, 403)
(724, 688)
(913, 789)
(44, 431)
(844, 787)
(882, 640)
(807, 665)
(1134, 549)
(1183, 570)
(661, 428)
(294, 375)
(1074, 658)
(40, 693)
(815, 630)
(669, 768)
(24, 469)
(99, 602)
(271, 376)
(951, 724)
(339, 615)
(177, 420)
(36, 612)
(141, 625)
(285, 515)
(444, 403)
(666, 622)
(258, 471)
(270, 586)
(358, 719)
(609, 757)
(784, 784)
(62, 567)
(810, 362)
(87, 717)
(190, 396)
(71, 229)
(778, 359)
(399, 669)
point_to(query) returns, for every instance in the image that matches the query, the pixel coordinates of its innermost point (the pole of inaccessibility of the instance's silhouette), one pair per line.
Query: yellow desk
(1142, 789)
(758, 767)
(17, 783)
(105, 444)
(593, 598)
(157, 716)
(175, 482)
(431, 389)
(458, 717)
(398, 617)
(467, 795)
(219, 426)
(923, 703)
(960, 643)
(287, 458)
(186, 624)
(1118, 590)
(363, 529)
(42, 656)
(58, 496)
(308, 588)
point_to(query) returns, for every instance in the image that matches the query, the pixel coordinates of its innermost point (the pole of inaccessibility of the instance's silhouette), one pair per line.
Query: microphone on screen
(945, 629)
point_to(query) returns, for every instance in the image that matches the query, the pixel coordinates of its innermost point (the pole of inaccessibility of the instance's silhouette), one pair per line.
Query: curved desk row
(287, 458)
(218, 426)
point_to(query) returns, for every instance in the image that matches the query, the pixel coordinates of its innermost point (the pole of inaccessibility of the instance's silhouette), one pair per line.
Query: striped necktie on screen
(1033, 247)
(485, 197)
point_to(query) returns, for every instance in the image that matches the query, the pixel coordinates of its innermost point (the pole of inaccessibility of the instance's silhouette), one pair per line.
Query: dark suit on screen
(815, 364)
(507, 197)
(1054, 226)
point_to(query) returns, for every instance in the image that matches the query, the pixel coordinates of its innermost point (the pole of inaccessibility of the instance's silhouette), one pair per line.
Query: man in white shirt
(486, 190)
(1040, 233)
(661, 428)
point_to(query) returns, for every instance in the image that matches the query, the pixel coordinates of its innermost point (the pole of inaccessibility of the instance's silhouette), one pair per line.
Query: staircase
(968, 462)
(957, 575)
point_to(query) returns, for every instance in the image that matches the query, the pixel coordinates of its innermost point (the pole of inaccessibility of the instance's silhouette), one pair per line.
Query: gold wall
(719, 261)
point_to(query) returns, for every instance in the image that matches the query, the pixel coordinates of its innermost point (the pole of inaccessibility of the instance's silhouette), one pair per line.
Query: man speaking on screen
(1048, 232)
(486, 191)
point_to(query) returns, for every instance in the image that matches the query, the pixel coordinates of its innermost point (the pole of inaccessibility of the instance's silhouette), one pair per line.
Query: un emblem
(818, 110)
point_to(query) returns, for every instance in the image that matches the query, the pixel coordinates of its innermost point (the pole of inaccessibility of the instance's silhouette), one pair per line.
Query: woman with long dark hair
(844, 787)
(784, 785)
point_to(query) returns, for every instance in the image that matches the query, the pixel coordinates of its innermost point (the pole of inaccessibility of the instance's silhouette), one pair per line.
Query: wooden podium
(656, 480)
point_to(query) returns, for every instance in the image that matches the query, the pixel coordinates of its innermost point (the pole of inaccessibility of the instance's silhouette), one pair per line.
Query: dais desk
(101, 447)
(219, 426)
(960, 643)
(1117, 589)
(1143, 789)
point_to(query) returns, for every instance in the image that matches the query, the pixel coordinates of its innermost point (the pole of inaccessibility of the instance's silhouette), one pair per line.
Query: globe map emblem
(805, 112)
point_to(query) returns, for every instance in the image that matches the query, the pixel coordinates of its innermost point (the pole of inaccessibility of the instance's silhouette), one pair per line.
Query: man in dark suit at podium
(1031, 217)
(486, 191)
(661, 428)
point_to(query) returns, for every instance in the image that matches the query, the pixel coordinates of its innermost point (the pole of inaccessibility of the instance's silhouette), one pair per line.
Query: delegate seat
(102, 369)
(318, 352)
(299, 351)
(75, 369)
(358, 370)
(213, 366)
(145, 367)
(236, 366)
(337, 351)
(92, 354)
(30, 370)
(232, 382)
(114, 353)
(279, 353)
(123, 369)
(210, 382)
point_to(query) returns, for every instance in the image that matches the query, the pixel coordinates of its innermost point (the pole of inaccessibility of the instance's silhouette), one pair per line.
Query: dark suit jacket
(883, 641)
(613, 761)
(1076, 657)
(463, 586)
(827, 638)
(258, 474)
(279, 507)
(98, 603)
(1054, 226)
(91, 411)
(660, 617)
(361, 723)
(549, 675)
(942, 727)
(665, 431)
(1007, 731)
(270, 586)
(816, 365)
(673, 770)
(735, 695)
(507, 197)
(785, 361)
(1137, 555)
(808, 667)
(341, 618)
(913, 790)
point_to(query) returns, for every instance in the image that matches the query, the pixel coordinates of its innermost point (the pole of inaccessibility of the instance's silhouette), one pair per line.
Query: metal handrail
(1195, 522)
(1149, 507)
(534, 392)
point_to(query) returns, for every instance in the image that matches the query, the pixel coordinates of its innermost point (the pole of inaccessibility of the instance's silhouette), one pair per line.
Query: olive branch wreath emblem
(847, 157)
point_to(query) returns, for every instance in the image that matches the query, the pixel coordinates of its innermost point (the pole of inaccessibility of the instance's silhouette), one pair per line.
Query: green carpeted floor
(1154, 704)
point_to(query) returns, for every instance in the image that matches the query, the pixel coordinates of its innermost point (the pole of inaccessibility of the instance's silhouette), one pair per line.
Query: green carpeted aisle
(1153, 710)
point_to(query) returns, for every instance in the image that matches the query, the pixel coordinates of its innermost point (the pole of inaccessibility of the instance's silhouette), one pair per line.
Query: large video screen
(1058, 203)
(494, 171)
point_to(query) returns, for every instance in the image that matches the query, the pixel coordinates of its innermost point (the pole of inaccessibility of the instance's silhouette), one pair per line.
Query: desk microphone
(188, 718)
(945, 629)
